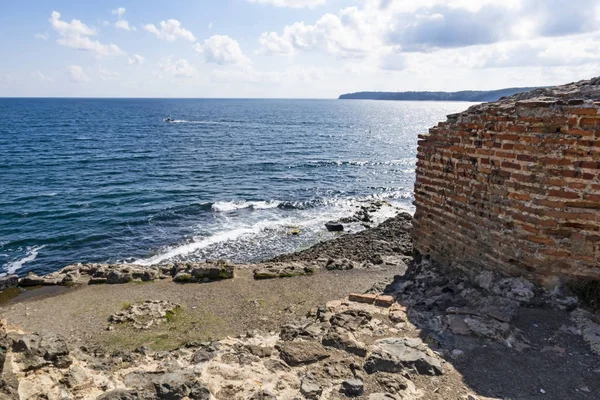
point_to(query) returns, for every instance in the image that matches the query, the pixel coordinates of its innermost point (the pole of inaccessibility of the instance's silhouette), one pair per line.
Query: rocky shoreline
(428, 333)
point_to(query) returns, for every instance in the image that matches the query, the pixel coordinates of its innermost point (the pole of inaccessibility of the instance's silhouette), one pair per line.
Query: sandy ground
(210, 310)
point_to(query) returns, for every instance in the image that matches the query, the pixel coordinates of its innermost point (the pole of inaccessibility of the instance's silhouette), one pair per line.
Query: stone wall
(514, 185)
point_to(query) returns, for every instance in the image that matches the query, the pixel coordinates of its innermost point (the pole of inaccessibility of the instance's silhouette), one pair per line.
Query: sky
(292, 48)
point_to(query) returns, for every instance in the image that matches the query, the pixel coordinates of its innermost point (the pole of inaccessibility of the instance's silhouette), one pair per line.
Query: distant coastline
(465, 95)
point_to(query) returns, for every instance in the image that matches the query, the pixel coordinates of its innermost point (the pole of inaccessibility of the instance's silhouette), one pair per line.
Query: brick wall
(514, 185)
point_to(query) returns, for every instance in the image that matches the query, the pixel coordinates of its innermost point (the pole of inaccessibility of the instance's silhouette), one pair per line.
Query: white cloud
(178, 69)
(107, 75)
(170, 30)
(75, 34)
(291, 3)
(39, 75)
(136, 59)
(76, 74)
(222, 49)
(42, 36)
(119, 12)
(353, 33)
(390, 29)
(210, 25)
(121, 23)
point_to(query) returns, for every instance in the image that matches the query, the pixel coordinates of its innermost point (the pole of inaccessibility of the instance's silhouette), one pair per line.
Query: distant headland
(465, 95)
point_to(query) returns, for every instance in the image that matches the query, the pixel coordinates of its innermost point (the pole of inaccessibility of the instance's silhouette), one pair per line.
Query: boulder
(8, 281)
(33, 279)
(263, 395)
(301, 353)
(172, 386)
(35, 351)
(333, 226)
(310, 389)
(343, 340)
(212, 272)
(283, 270)
(118, 277)
(351, 320)
(121, 394)
(352, 387)
(400, 354)
(342, 264)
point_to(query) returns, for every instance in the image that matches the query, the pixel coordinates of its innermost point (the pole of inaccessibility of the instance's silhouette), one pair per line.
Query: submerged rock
(8, 281)
(333, 226)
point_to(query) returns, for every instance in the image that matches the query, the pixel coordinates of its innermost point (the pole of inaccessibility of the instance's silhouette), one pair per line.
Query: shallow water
(107, 180)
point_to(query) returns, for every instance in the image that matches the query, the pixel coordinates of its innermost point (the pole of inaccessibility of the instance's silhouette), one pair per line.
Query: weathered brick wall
(514, 186)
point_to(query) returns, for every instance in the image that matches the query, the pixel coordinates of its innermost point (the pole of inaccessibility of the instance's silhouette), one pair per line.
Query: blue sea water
(107, 180)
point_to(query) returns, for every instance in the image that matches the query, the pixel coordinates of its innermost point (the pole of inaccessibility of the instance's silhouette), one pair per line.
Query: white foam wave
(220, 237)
(228, 206)
(32, 253)
(185, 121)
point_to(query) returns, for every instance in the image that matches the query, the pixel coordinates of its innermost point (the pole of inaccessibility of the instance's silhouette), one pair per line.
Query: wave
(358, 163)
(199, 244)
(228, 206)
(185, 121)
(32, 253)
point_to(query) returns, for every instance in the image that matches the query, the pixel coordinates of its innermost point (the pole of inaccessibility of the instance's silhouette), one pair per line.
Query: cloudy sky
(292, 48)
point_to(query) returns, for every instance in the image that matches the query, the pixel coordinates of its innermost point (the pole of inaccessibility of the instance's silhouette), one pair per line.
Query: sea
(108, 180)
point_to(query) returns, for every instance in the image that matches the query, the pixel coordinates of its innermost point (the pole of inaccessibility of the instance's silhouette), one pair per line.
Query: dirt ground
(209, 311)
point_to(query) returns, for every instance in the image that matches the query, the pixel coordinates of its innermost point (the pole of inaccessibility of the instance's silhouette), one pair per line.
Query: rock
(590, 330)
(143, 316)
(397, 315)
(279, 270)
(97, 281)
(310, 389)
(343, 340)
(400, 354)
(352, 387)
(382, 396)
(8, 281)
(339, 264)
(213, 272)
(376, 259)
(36, 351)
(457, 353)
(334, 226)
(183, 277)
(202, 355)
(301, 353)
(174, 386)
(487, 327)
(263, 395)
(70, 278)
(485, 279)
(117, 277)
(34, 280)
(305, 330)
(259, 351)
(514, 288)
(121, 394)
(351, 320)
(76, 377)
